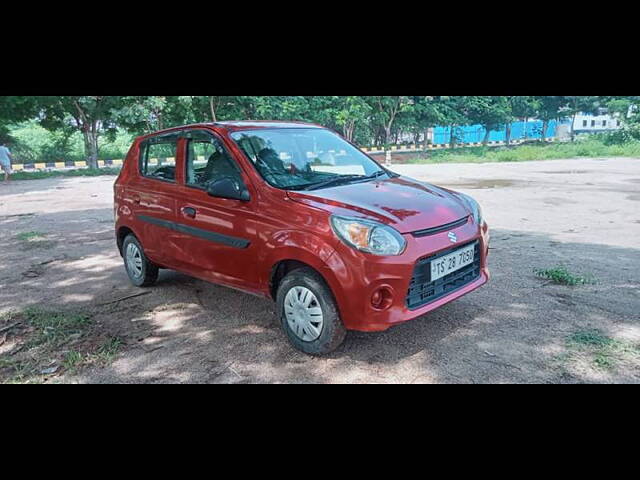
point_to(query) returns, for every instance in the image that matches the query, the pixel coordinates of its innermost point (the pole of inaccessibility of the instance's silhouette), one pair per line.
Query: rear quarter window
(158, 159)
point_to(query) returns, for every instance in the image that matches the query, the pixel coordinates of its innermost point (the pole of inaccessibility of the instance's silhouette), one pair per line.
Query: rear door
(218, 236)
(153, 197)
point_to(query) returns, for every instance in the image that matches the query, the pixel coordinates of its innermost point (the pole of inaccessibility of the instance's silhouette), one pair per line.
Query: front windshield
(305, 158)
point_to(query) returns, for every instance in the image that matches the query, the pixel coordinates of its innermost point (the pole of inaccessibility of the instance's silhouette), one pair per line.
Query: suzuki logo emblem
(452, 236)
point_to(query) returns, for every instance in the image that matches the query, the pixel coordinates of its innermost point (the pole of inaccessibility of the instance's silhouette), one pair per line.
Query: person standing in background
(5, 161)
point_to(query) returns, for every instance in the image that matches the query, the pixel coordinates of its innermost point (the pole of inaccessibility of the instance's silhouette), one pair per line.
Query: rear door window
(158, 158)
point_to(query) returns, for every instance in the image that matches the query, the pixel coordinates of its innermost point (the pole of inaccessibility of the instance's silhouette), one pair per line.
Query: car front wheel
(308, 313)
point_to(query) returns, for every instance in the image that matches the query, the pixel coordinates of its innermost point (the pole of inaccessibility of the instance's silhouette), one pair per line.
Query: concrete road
(584, 214)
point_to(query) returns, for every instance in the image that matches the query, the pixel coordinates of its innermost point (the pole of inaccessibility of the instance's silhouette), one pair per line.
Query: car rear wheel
(140, 270)
(308, 313)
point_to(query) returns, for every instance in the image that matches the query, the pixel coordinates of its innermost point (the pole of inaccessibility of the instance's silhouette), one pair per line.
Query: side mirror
(226, 187)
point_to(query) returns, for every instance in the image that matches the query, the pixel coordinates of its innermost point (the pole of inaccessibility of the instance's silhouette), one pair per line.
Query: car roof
(235, 126)
(262, 124)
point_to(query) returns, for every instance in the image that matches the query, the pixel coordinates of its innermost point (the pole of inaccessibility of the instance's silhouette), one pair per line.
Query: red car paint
(282, 225)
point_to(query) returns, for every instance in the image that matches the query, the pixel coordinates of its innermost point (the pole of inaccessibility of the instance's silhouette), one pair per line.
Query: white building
(588, 123)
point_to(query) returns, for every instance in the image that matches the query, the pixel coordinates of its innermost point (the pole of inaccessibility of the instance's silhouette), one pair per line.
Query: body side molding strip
(197, 232)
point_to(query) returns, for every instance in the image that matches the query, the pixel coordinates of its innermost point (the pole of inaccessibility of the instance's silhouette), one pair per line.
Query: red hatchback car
(295, 213)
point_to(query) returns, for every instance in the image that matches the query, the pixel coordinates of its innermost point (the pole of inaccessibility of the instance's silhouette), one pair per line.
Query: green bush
(81, 172)
(627, 134)
(591, 146)
(116, 149)
(32, 143)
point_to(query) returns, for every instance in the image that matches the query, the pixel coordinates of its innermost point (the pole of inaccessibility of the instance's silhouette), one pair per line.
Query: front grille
(441, 228)
(423, 291)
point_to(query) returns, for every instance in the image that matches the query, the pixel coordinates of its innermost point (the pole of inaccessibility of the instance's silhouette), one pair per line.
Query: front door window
(207, 161)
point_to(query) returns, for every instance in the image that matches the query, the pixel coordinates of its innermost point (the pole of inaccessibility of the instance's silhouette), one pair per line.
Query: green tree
(490, 112)
(576, 105)
(351, 112)
(428, 113)
(385, 111)
(417, 116)
(626, 109)
(142, 114)
(92, 116)
(521, 108)
(15, 109)
(550, 108)
(454, 112)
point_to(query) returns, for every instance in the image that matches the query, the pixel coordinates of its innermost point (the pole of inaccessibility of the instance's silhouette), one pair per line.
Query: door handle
(189, 212)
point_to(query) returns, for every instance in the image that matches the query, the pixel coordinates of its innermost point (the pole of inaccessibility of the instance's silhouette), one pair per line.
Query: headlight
(368, 236)
(473, 206)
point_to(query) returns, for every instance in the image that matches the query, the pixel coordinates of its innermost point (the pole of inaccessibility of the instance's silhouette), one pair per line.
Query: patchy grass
(20, 372)
(34, 240)
(8, 317)
(27, 236)
(38, 244)
(591, 338)
(52, 343)
(7, 363)
(590, 148)
(81, 172)
(54, 328)
(603, 351)
(561, 276)
(104, 355)
(604, 361)
(109, 349)
(72, 360)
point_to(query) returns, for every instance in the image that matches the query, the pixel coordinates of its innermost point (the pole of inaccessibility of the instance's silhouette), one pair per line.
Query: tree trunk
(387, 138)
(426, 139)
(545, 125)
(487, 132)
(91, 147)
(508, 134)
(452, 139)
(526, 134)
(573, 121)
(348, 129)
(89, 128)
(213, 110)
(379, 137)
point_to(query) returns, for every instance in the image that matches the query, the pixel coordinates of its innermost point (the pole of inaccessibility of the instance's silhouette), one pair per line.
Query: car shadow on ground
(515, 329)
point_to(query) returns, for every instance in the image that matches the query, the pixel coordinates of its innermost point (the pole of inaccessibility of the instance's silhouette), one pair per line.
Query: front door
(218, 236)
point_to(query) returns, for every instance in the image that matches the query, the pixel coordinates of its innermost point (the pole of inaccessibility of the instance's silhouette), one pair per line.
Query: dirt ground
(583, 214)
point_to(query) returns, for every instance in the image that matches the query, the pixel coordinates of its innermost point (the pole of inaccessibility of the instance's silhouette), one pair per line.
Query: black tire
(333, 331)
(148, 271)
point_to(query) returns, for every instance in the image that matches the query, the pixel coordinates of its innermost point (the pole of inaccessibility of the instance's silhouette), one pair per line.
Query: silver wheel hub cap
(303, 313)
(134, 260)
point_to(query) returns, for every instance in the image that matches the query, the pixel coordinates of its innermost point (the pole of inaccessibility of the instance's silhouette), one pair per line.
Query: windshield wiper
(334, 181)
(377, 174)
(346, 178)
(302, 186)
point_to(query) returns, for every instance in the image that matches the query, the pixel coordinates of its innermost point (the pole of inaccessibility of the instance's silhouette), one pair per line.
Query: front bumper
(360, 275)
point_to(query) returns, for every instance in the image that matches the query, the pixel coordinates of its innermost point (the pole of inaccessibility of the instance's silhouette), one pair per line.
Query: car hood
(401, 202)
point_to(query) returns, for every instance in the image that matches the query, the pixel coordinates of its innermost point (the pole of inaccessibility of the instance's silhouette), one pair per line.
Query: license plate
(450, 263)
